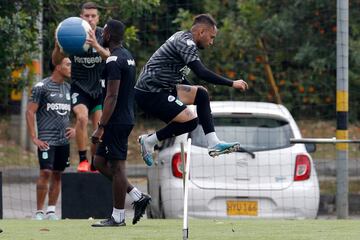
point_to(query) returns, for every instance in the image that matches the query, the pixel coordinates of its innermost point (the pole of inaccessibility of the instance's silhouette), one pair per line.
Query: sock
(51, 208)
(152, 140)
(135, 194)
(118, 215)
(203, 110)
(40, 211)
(92, 166)
(175, 129)
(212, 139)
(82, 155)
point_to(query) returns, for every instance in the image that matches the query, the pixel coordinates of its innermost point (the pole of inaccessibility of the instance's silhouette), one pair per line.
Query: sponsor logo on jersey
(60, 108)
(52, 94)
(88, 62)
(178, 102)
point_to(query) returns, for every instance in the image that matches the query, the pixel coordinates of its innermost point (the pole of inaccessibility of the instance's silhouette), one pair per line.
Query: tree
(18, 44)
(299, 39)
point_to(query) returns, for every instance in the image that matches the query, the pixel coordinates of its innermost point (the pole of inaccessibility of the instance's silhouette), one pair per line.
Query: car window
(253, 133)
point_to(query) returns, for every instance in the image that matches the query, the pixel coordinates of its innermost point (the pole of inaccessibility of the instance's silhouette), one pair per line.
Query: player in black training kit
(50, 102)
(162, 83)
(115, 125)
(86, 86)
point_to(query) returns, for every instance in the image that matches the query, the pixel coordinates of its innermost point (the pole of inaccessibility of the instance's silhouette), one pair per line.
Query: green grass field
(172, 229)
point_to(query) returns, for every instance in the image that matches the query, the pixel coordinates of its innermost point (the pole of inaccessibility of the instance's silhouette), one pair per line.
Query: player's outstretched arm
(202, 72)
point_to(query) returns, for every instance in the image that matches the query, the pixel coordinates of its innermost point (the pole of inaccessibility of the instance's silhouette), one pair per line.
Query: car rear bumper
(298, 201)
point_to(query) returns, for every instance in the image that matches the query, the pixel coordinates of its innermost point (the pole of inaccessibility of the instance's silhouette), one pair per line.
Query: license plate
(248, 208)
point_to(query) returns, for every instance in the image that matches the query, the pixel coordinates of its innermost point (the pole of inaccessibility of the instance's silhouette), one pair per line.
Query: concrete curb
(30, 174)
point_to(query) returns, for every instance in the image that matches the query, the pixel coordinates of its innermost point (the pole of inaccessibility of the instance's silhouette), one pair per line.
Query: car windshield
(253, 133)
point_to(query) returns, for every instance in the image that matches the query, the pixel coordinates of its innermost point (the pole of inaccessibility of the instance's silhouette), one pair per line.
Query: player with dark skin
(115, 126)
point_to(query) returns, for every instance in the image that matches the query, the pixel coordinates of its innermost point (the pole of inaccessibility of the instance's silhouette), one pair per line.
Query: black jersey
(53, 114)
(86, 69)
(121, 66)
(167, 66)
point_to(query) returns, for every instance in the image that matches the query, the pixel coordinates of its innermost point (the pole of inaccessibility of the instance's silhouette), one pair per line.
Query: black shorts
(56, 158)
(163, 105)
(114, 143)
(78, 96)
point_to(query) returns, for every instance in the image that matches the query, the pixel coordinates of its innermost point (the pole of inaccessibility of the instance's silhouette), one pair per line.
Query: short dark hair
(89, 5)
(51, 65)
(116, 30)
(204, 19)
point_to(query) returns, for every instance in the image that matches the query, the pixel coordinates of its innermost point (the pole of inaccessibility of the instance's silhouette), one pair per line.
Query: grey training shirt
(167, 66)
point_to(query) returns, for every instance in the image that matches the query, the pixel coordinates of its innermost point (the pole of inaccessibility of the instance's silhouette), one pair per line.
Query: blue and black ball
(71, 35)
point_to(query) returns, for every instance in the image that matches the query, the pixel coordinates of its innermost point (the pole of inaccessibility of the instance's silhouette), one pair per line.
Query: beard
(200, 46)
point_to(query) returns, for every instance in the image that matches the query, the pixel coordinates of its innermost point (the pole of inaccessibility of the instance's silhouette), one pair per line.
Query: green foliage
(299, 41)
(128, 12)
(298, 38)
(18, 43)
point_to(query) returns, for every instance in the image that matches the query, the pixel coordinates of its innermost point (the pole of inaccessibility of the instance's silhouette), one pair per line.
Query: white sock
(118, 215)
(135, 194)
(51, 208)
(151, 141)
(212, 139)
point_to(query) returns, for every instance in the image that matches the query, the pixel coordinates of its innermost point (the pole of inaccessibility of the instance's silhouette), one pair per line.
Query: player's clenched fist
(240, 84)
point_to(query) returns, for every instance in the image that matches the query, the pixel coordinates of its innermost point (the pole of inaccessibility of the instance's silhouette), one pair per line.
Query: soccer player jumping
(163, 91)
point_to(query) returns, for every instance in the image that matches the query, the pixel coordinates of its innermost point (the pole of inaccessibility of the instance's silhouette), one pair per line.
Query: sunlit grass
(172, 229)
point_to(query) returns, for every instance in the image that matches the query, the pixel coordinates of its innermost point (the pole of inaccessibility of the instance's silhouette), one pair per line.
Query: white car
(271, 178)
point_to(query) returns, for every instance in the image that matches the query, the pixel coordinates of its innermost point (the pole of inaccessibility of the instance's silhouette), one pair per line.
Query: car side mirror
(310, 147)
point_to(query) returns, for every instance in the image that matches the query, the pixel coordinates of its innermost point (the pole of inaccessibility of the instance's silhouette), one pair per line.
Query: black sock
(92, 166)
(203, 110)
(82, 155)
(175, 129)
